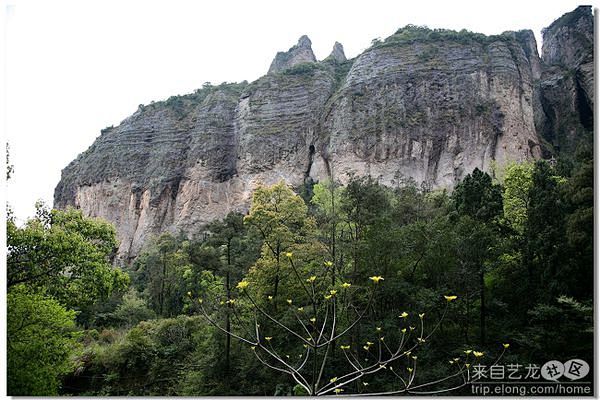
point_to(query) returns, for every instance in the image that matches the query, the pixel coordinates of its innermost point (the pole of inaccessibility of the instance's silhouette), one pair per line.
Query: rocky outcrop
(337, 54)
(299, 54)
(423, 105)
(566, 86)
(432, 107)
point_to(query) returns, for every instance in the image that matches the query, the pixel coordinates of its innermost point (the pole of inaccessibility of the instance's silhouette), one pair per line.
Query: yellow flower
(333, 292)
(333, 379)
(268, 338)
(312, 279)
(288, 255)
(478, 353)
(231, 301)
(421, 340)
(378, 329)
(451, 362)
(313, 320)
(403, 315)
(300, 309)
(328, 263)
(221, 302)
(412, 328)
(243, 285)
(468, 351)
(376, 279)
(270, 298)
(381, 338)
(338, 391)
(345, 347)
(370, 343)
(450, 298)
(456, 359)
(506, 345)
(189, 294)
(289, 301)
(468, 365)
(253, 348)
(409, 369)
(327, 297)
(403, 330)
(366, 347)
(382, 366)
(414, 357)
(421, 315)
(365, 383)
(305, 346)
(200, 301)
(346, 285)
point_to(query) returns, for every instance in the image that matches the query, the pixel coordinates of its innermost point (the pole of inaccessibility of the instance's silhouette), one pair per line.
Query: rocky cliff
(567, 82)
(427, 105)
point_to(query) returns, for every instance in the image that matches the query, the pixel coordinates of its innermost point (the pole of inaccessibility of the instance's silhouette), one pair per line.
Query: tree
(478, 197)
(161, 272)
(518, 180)
(364, 204)
(318, 321)
(544, 232)
(478, 203)
(66, 254)
(132, 310)
(41, 336)
(231, 237)
(578, 196)
(280, 217)
(327, 197)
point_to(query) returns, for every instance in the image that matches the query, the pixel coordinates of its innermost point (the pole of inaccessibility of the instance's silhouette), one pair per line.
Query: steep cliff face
(427, 105)
(298, 54)
(566, 86)
(432, 106)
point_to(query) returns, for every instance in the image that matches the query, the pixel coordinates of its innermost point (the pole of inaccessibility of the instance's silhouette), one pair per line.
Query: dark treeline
(516, 249)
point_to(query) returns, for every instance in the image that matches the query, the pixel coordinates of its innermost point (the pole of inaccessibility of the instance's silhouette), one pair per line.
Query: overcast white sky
(74, 67)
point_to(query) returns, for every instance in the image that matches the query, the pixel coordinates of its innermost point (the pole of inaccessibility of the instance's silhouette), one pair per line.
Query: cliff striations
(427, 105)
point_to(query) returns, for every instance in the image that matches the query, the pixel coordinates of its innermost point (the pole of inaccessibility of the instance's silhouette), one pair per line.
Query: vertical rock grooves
(424, 105)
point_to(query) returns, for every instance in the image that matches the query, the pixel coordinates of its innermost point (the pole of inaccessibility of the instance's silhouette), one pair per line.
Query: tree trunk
(482, 297)
(227, 316)
(227, 324)
(162, 286)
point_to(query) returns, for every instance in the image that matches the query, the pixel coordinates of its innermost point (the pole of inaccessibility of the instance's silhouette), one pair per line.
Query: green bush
(41, 339)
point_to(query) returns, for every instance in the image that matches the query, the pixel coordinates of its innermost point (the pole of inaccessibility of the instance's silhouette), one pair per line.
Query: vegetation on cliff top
(422, 34)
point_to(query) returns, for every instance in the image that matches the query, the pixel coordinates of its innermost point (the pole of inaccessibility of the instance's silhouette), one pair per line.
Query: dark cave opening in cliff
(586, 114)
(311, 156)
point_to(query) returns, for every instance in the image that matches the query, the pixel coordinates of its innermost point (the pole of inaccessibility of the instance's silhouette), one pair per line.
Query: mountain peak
(337, 54)
(298, 54)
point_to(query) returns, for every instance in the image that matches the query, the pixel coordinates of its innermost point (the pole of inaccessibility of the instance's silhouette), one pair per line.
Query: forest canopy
(495, 263)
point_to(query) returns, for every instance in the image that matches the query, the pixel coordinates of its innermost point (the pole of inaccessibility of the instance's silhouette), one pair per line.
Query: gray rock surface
(566, 84)
(337, 53)
(426, 105)
(299, 54)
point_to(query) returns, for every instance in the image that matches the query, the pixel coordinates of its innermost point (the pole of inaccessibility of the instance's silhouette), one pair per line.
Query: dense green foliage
(41, 337)
(307, 68)
(517, 252)
(58, 262)
(65, 254)
(422, 34)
